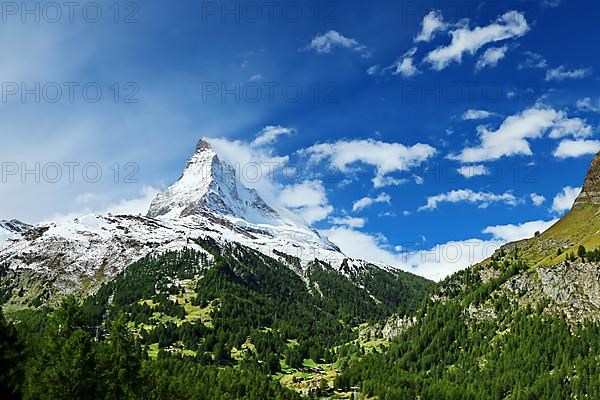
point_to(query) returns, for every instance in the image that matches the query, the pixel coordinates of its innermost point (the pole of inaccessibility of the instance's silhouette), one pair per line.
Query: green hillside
(242, 321)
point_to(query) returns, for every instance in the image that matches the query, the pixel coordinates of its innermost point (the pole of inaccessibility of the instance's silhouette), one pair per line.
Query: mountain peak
(208, 184)
(590, 192)
(203, 145)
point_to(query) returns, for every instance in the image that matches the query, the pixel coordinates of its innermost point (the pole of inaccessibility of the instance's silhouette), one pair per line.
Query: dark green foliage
(11, 372)
(581, 252)
(522, 353)
(99, 349)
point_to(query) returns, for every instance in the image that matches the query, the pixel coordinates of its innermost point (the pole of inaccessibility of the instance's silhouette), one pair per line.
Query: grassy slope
(581, 226)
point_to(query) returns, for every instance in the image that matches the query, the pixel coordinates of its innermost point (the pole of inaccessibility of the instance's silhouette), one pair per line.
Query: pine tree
(11, 375)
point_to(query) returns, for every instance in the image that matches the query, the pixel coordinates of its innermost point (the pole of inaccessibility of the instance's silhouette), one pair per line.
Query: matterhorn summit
(207, 202)
(210, 185)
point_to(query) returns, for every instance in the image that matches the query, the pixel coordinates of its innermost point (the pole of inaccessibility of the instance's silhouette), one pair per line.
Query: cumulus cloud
(385, 157)
(405, 66)
(325, 43)
(576, 148)
(586, 104)
(511, 138)
(482, 199)
(270, 134)
(564, 200)
(471, 171)
(352, 222)
(434, 262)
(561, 73)
(491, 57)
(308, 199)
(466, 40)
(575, 127)
(368, 201)
(512, 233)
(537, 199)
(432, 22)
(255, 165)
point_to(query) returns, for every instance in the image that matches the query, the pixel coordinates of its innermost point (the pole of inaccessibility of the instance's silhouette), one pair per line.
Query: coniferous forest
(179, 326)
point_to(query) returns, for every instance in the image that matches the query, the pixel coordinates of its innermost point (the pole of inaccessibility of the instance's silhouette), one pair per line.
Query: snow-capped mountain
(11, 230)
(209, 185)
(206, 201)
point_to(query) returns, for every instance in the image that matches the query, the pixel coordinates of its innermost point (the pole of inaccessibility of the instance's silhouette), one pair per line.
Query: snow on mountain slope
(207, 201)
(11, 230)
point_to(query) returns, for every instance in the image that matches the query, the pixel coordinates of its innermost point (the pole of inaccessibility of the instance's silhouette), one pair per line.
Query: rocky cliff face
(590, 192)
(208, 184)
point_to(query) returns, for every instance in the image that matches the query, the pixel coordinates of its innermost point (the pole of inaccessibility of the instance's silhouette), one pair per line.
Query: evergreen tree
(11, 353)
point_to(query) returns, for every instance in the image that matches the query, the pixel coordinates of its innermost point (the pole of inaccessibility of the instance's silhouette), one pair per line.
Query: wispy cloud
(482, 199)
(491, 57)
(385, 157)
(327, 42)
(369, 201)
(472, 114)
(466, 40)
(432, 22)
(561, 73)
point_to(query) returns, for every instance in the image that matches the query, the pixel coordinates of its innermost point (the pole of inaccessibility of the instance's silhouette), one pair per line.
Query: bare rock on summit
(590, 192)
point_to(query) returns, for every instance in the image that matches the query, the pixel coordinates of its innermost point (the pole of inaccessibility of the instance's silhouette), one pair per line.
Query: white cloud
(383, 181)
(433, 22)
(576, 148)
(308, 199)
(269, 134)
(483, 199)
(472, 114)
(435, 262)
(405, 66)
(575, 127)
(385, 157)
(511, 137)
(533, 60)
(447, 258)
(465, 40)
(368, 201)
(373, 70)
(470, 171)
(561, 73)
(512, 233)
(491, 57)
(254, 165)
(537, 199)
(352, 222)
(586, 104)
(564, 200)
(95, 203)
(325, 43)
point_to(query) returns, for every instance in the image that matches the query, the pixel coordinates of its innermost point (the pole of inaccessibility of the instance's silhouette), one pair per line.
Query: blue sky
(409, 124)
